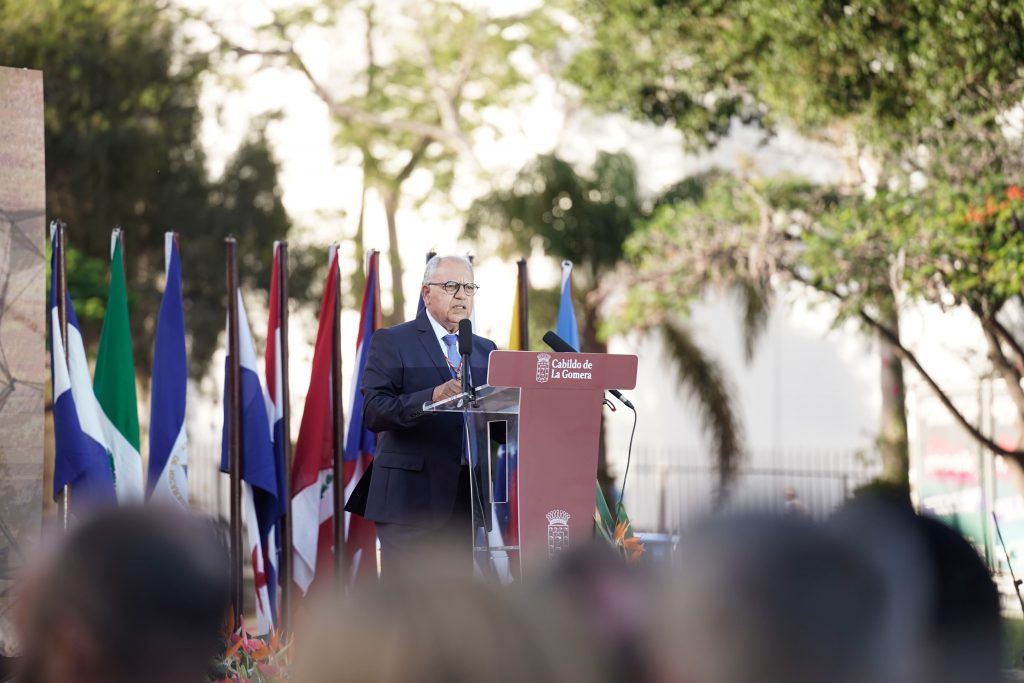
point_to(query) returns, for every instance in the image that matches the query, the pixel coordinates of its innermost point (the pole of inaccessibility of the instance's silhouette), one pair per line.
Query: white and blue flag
(168, 442)
(567, 328)
(262, 491)
(81, 457)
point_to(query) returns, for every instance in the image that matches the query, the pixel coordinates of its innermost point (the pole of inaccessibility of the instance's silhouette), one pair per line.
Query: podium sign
(560, 403)
(533, 497)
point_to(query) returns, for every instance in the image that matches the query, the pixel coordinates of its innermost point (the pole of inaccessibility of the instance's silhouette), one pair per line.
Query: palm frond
(756, 307)
(705, 382)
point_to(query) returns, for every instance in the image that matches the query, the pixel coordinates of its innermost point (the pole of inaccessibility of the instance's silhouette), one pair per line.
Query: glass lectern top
(488, 400)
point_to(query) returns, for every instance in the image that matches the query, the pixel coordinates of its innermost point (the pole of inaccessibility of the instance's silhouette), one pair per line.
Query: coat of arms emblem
(543, 367)
(558, 532)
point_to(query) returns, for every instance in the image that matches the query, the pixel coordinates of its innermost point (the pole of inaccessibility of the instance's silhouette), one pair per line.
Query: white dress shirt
(441, 333)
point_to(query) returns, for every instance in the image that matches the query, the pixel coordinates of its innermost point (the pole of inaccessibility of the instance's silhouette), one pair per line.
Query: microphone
(558, 344)
(465, 337)
(465, 350)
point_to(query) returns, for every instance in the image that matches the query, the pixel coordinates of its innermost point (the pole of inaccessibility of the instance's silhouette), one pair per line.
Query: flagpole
(64, 506)
(338, 464)
(378, 315)
(286, 521)
(234, 430)
(523, 284)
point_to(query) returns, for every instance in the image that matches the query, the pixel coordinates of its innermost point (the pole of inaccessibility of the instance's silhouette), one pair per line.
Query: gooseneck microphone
(558, 344)
(465, 350)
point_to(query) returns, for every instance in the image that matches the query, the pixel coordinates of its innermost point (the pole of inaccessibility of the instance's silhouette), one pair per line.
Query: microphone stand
(1013, 577)
(467, 381)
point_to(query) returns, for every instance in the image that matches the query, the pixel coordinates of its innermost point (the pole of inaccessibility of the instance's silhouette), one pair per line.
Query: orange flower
(237, 641)
(974, 215)
(634, 549)
(1014, 193)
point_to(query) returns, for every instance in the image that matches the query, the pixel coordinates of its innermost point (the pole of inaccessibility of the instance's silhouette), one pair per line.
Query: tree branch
(353, 114)
(1010, 375)
(445, 98)
(1018, 350)
(907, 355)
(417, 154)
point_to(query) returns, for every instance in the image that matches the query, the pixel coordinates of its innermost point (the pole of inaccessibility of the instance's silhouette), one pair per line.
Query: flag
(506, 477)
(515, 343)
(567, 328)
(260, 485)
(312, 468)
(361, 533)
(275, 398)
(420, 306)
(114, 383)
(168, 442)
(81, 460)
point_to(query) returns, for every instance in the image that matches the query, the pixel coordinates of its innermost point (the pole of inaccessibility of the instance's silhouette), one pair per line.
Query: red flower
(974, 215)
(1014, 193)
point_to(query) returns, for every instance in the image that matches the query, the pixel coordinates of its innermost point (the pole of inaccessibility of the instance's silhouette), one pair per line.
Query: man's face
(449, 309)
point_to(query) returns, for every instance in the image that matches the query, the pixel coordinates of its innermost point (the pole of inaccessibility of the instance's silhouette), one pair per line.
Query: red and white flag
(312, 490)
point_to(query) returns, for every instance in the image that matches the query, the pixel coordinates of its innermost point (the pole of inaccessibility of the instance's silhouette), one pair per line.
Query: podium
(533, 433)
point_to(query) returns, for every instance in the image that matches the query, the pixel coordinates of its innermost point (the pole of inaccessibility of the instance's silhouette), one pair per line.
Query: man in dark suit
(418, 489)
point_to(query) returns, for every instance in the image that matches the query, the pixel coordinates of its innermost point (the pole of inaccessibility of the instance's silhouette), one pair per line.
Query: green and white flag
(114, 384)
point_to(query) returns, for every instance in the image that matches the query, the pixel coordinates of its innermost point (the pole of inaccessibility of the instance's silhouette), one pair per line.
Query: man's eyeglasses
(452, 287)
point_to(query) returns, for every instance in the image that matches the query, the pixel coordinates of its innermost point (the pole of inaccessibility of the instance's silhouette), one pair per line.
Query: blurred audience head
(612, 601)
(131, 594)
(440, 626)
(963, 633)
(944, 623)
(770, 599)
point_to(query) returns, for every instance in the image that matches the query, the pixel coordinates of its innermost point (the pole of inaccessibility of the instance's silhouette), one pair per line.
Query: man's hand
(452, 387)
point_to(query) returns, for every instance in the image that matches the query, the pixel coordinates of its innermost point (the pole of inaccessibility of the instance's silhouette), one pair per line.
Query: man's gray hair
(434, 262)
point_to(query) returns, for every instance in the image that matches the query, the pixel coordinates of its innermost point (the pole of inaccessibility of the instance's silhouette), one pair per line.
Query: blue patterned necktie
(455, 361)
(452, 342)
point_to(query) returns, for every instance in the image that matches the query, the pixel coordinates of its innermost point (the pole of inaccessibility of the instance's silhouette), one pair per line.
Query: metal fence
(208, 488)
(668, 489)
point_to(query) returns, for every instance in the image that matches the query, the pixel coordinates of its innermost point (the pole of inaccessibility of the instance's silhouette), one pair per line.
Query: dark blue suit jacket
(416, 466)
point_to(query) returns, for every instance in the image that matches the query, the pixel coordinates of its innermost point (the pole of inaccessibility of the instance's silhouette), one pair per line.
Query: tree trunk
(391, 197)
(358, 276)
(892, 438)
(1013, 465)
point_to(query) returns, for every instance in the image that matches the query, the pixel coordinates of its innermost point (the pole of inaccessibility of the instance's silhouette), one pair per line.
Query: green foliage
(690, 243)
(122, 127)
(593, 219)
(891, 69)
(688, 64)
(450, 45)
(969, 243)
(584, 218)
(433, 71)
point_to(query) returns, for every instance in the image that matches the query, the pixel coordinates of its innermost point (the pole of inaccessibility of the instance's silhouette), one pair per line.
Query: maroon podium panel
(560, 403)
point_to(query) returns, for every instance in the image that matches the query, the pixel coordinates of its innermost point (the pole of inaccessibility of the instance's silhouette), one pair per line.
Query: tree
(919, 90)
(588, 219)
(122, 129)
(429, 79)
